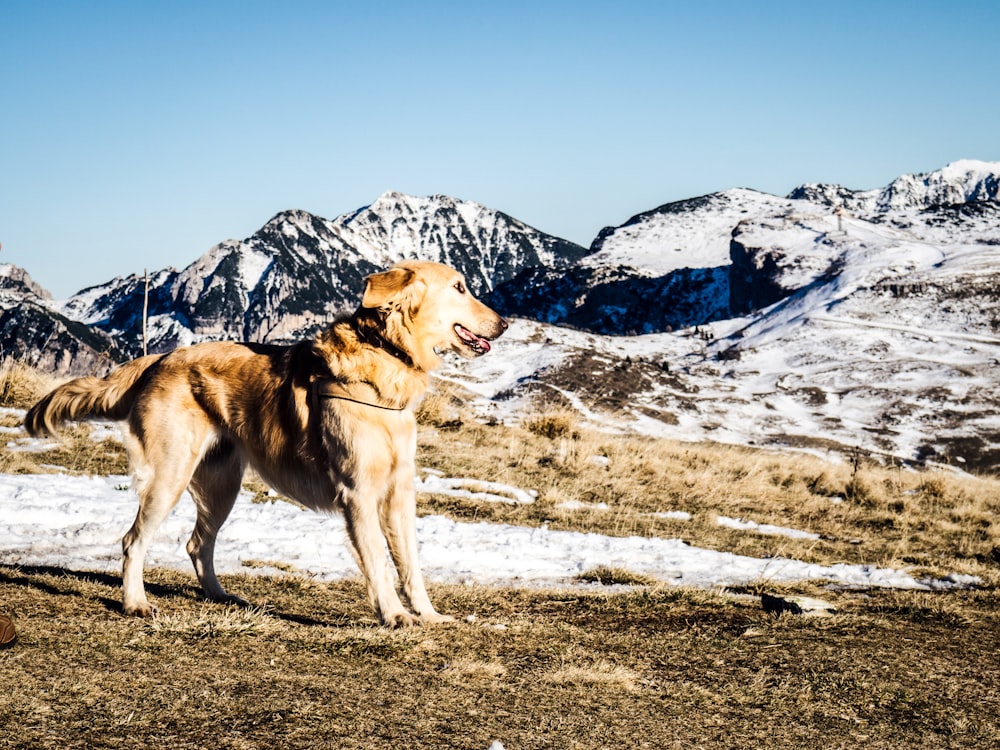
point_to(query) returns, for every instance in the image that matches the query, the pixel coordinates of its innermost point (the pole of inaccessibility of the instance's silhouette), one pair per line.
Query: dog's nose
(504, 325)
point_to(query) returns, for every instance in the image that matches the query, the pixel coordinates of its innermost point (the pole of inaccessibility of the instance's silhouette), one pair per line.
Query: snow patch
(764, 528)
(78, 523)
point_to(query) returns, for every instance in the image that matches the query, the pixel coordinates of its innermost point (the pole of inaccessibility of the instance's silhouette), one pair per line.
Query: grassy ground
(656, 668)
(932, 523)
(647, 666)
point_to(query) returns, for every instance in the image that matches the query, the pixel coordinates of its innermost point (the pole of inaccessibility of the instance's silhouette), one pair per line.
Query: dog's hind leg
(214, 487)
(160, 480)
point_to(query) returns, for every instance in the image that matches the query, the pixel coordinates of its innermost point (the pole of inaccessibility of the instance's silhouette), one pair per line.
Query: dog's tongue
(473, 339)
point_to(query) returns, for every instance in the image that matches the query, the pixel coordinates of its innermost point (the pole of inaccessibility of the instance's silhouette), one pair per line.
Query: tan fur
(328, 422)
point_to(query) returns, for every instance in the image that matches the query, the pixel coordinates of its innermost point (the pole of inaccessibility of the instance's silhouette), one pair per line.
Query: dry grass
(80, 449)
(930, 522)
(628, 662)
(555, 424)
(21, 385)
(600, 674)
(216, 622)
(656, 668)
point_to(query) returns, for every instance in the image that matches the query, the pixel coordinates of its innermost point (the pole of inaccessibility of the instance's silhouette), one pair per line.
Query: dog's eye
(460, 287)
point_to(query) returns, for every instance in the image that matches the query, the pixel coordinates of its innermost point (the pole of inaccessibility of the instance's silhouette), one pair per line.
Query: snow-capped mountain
(963, 181)
(488, 246)
(831, 318)
(880, 334)
(692, 233)
(32, 331)
(299, 271)
(15, 284)
(682, 264)
(662, 270)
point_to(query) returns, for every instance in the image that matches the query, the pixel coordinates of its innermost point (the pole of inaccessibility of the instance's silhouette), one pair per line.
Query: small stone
(796, 605)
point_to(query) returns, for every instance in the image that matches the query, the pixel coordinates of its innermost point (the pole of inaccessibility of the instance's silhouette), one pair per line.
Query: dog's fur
(327, 422)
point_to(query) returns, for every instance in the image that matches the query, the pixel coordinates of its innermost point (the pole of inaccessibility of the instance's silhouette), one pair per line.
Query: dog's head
(426, 307)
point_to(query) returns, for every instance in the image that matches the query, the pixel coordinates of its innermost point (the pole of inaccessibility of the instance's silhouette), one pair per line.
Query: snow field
(78, 522)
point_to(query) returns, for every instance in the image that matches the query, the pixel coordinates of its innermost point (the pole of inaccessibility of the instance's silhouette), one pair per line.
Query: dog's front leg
(369, 547)
(399, 524)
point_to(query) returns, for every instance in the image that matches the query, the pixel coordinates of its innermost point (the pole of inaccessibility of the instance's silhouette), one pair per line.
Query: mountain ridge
(961, 181)
(868, 320)
(299, 270)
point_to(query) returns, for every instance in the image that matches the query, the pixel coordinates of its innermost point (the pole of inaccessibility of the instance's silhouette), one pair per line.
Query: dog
(327, 422)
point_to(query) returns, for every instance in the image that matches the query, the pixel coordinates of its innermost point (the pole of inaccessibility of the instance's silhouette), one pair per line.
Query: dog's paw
(435, 618)
(398, 620)
(230, 600)
(144, 610)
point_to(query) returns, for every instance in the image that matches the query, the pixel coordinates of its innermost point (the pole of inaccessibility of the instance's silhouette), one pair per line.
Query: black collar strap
(366, 336)
(332, 389)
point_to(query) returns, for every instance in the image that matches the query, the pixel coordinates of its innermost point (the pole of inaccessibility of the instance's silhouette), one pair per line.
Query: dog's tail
(89, 398)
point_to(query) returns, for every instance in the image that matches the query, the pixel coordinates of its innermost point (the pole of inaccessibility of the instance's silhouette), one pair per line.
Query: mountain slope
(880, 336)
(692, 233)
(31, 331)
(896, 356)
(661, 270)
(299, 271)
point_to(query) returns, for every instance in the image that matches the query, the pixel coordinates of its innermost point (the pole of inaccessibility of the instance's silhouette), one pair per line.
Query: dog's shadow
(75, 583)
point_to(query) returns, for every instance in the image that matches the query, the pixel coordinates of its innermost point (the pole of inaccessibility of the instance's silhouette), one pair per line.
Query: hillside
(623, 585)
(878, 332)
(834, 319)
(894, 354)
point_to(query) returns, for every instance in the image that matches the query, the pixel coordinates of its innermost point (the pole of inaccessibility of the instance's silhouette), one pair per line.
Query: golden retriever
(327, 422)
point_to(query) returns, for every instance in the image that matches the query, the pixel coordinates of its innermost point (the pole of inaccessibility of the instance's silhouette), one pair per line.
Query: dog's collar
(373, 339)
(394, 351)
(326, 388)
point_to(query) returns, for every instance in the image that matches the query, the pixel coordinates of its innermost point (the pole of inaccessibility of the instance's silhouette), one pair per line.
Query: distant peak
(973, 164)
(393, 195)
(290, 215)
(963, 167)
(392, 201)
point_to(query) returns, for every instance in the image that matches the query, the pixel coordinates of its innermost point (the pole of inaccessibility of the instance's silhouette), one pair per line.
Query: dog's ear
(395, 284)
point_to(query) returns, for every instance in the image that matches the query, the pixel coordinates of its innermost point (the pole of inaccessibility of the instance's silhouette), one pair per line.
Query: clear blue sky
(139, 134)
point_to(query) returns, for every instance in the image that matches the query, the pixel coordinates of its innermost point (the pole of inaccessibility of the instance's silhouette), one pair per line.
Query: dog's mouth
(476, 343)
